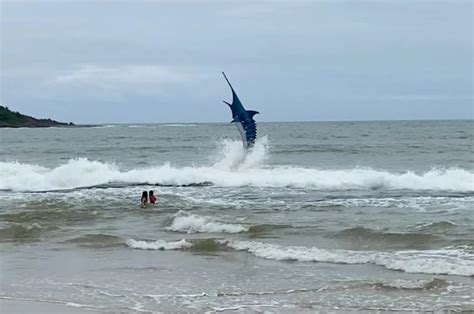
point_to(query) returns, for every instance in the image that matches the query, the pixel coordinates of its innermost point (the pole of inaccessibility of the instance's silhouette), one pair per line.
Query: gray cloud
(102, 61)
(119, 75)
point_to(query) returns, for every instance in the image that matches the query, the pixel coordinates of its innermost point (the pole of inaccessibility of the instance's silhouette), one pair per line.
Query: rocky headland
(11, 119)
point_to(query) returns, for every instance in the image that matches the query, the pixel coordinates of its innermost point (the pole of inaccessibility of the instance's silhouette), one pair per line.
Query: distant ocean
(319, 216)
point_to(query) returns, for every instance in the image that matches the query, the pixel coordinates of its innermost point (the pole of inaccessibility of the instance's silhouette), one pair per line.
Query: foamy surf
(183, 222)
(448, 261)
(234, 168)
(158, 244)
(444, 261)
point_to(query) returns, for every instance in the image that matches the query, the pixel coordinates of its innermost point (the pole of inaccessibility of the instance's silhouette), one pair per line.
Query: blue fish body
(243, 119)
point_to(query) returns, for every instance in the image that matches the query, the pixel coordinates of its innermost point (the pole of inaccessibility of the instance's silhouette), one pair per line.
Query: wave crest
(232, 167)
(195, 223)
(158, 244)
(445, 261)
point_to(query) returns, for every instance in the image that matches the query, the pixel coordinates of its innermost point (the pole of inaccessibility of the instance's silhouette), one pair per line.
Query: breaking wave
(192, 223)
(158, 245)
(232, 167)
(195, 245)
(450, 261)
(447, 261)
(195, 223)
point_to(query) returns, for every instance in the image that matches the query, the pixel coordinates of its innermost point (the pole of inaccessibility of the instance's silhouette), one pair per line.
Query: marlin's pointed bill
(242, 118)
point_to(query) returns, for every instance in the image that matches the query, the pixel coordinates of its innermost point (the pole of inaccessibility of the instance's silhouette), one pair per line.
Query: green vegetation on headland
(10, 119)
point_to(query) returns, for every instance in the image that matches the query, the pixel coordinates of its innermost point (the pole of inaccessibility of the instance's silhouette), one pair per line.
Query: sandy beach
(16, 306)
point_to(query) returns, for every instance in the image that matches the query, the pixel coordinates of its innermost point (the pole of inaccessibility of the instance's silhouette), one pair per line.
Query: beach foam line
(445, 261)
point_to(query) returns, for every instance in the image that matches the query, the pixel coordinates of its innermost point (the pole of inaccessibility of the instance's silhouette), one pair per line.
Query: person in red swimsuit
(152, 197)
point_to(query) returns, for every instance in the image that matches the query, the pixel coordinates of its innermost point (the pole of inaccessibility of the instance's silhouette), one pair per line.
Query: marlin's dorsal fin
(231, 108)
(252, 113)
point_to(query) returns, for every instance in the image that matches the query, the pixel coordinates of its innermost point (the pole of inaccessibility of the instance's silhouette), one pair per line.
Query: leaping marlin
(242, 118)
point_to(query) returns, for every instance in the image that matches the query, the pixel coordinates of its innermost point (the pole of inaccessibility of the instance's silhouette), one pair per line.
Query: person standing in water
(152, 197)
(144, 199)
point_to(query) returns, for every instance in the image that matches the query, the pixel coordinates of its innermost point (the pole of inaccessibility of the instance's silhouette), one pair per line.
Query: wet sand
(39, 307)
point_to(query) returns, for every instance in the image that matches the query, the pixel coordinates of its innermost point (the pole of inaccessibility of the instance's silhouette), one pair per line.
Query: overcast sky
(161, 61)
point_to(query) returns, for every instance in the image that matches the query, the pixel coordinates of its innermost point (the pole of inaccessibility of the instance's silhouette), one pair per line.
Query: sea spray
(232, 156)
(229, 155)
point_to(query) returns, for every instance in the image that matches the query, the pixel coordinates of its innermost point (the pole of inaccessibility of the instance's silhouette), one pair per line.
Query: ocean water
(323, 216)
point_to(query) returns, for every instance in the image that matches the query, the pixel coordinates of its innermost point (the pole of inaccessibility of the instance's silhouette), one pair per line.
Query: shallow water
(318, 216)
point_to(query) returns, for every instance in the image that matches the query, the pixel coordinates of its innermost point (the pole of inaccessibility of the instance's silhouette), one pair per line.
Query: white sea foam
(420, 203)
(449, 261)
(233, 167)
(75, 173)
(195, 223)
(158, 245)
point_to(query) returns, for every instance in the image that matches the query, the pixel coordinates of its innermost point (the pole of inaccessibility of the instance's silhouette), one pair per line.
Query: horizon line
(281, 121)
